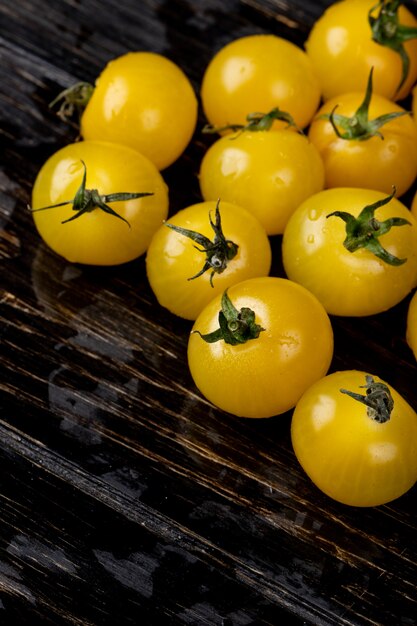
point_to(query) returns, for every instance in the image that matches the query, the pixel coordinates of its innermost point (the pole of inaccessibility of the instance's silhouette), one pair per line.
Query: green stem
(218, 252)
(378, 400)
(256, 122)
(86, 200)
(363, 231)
(72, 100)
(359, 127)
(235, 327)
(387, 31)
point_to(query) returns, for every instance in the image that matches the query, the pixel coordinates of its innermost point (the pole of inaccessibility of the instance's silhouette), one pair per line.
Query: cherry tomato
(186, 274)
(372, 162)
(145, 101)
(94, 235)
(412, 324)
(344, 449)
(268, 173)
(352, 277)
(279, 341)
(258, 73)
(342, 51)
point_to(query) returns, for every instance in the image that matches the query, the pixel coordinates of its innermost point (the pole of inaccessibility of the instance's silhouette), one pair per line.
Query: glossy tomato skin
(341, 49)
(349, 283)
(412, 324)
(97, 238)
(265, 376)
(373, 163)
(255, 74)
(268, 173)
(172, 259)
(145, 101)
(349, 456)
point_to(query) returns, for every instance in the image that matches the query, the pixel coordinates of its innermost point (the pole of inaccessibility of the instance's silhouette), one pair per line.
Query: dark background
(125, 497)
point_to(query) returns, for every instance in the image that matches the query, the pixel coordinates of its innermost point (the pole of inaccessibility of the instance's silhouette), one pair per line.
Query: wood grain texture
(126, 498)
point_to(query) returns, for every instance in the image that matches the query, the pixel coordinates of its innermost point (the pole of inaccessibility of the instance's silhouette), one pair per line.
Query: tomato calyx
(73, 100)
(255, 122)
(235, 326)
(363, 231)
(387, 31)
(218, 252)
(378, 399)
(359, 127)
(86, 200)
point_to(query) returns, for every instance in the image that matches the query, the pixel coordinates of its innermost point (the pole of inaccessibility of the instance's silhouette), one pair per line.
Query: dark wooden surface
(125, 497)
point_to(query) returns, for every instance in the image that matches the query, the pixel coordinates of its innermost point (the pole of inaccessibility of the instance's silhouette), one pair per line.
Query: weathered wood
(126, 498)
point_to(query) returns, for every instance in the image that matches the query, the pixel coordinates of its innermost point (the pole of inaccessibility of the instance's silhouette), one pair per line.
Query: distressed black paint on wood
(125, 497)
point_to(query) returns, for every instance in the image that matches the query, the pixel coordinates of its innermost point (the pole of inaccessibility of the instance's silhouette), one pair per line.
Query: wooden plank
(125, 497)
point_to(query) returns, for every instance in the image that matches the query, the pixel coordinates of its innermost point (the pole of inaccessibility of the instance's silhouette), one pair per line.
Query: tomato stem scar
(218, 252)
(86, 200)
(387, 31)
(363, 231)
(378, 400)
(235, 327)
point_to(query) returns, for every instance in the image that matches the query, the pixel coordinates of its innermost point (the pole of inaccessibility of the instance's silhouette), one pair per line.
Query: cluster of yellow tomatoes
(327, 178)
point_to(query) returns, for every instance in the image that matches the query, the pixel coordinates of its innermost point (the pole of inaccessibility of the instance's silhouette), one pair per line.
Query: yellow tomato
(342, 51)
(264, 375)
(145, 101)
(412, 325)
(372, 163)
(174, 260)
(257, 73)
(342, 447)
(268, 173)
(95, 236)
(357, 282)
